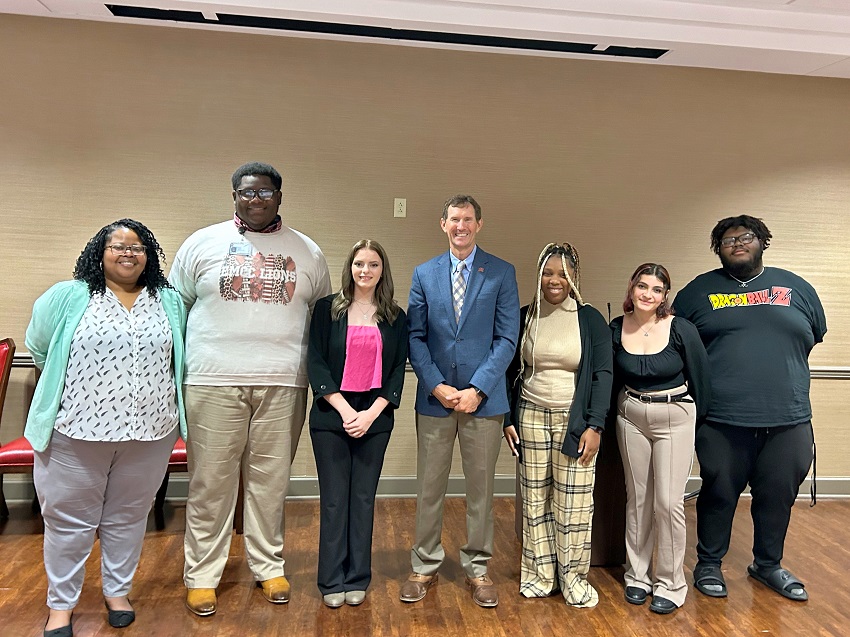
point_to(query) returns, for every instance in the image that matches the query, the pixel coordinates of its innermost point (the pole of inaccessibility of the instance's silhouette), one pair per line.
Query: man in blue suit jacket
(460, 355)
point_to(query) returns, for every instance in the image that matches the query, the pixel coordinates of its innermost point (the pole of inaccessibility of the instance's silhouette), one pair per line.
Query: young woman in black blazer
(355, 362)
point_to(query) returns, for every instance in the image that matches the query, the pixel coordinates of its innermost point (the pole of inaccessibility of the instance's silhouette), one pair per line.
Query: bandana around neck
(274, 226)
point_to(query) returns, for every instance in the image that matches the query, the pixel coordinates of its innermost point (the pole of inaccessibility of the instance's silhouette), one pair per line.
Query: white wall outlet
(399, 207)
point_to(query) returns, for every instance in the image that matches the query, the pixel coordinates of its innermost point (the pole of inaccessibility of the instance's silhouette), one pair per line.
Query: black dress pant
(774, 461)
(348, 470)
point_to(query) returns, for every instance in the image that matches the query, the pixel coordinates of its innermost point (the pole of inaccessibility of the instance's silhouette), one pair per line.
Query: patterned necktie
(459, 289)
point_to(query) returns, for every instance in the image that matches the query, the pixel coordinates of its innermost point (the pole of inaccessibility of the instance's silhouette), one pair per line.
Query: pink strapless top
(363, 349)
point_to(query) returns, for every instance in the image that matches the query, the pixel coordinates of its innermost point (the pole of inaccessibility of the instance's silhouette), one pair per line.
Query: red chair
(15, 457)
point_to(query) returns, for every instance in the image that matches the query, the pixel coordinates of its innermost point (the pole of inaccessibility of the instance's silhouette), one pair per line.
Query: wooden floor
(817, 551)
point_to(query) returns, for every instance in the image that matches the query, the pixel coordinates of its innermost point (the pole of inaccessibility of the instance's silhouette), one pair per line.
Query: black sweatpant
(774, 461)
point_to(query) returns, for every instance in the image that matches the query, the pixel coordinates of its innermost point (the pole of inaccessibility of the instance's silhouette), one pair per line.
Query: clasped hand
(462, 400)
(359, 424)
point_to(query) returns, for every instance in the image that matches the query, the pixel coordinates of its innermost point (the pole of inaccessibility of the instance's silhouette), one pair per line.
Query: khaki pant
(657, 444)
(480, 440)
(254, 430)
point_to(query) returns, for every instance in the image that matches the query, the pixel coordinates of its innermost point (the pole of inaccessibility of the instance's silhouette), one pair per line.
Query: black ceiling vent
(411, 35)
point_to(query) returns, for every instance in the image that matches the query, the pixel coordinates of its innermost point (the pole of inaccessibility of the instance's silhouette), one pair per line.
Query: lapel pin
(481, 269)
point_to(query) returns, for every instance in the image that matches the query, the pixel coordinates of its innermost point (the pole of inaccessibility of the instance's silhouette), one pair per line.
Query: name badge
(241, 248)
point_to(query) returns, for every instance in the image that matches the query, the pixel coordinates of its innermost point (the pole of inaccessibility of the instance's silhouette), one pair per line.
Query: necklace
(641, 327)
(370, 309)
(743, 284)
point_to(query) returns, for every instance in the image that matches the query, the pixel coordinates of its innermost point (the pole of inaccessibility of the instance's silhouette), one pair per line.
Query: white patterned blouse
(119, 383)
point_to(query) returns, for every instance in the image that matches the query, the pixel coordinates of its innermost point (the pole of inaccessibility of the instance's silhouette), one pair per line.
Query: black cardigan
(326, 362)
(594, 378)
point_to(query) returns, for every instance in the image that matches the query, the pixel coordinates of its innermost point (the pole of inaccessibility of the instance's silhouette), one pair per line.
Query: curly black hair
(753, 224)
(89, 266)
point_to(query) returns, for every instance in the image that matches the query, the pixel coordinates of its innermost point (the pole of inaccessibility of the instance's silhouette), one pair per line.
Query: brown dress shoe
(416, 587)
(483, 591)
(276, 590)
(201, 601)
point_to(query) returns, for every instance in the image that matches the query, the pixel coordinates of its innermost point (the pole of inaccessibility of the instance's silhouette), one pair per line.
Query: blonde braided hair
(569, 260)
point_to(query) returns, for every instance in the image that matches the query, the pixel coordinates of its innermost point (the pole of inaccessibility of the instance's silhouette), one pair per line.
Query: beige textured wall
(628, 162)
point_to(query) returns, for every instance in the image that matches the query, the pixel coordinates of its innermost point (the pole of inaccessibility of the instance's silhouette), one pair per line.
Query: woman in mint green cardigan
(106, 412)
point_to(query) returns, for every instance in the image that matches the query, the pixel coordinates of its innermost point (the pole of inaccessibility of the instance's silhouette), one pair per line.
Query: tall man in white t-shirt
(250, 284)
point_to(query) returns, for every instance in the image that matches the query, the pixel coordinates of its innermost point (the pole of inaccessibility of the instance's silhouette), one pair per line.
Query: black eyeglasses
(743, 239)
(249, 193)
(118, 249)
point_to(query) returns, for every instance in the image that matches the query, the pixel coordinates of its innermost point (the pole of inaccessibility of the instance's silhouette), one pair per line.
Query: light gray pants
(84, 487)
(480, 440)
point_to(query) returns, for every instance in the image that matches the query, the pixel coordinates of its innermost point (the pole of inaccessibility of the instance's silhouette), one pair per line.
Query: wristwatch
(595, 428)
(480, 393)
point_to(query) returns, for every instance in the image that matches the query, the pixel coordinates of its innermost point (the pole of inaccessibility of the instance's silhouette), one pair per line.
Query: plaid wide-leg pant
(557, 495)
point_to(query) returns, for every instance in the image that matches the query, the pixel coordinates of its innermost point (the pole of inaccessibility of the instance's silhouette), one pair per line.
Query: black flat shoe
(116, 618)
(62, 631)
(635, 595)
(662, 606)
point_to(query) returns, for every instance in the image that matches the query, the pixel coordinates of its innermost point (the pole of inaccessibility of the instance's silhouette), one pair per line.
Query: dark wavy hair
(753, 224)
(387, 308)
(89, 266)
(461, 201)
(651, 269)
(256, 168)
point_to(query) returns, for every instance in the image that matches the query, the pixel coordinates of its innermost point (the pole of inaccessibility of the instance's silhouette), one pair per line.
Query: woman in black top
(661, 376)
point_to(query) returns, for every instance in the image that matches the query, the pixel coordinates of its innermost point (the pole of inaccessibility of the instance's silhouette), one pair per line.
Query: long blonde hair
(569, 260)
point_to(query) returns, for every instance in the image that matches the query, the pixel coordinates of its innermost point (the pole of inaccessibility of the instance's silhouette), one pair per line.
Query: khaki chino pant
(480, 440)
(254, 430)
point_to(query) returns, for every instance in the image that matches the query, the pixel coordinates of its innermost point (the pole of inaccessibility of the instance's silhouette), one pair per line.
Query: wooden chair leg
(238, 515)
(159, 501)
(4, 510)
(36, 505)
(159, 504)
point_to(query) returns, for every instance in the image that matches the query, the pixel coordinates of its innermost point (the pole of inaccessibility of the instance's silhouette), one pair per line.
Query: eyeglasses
(263, 193)
(118, 249)
(743, 239)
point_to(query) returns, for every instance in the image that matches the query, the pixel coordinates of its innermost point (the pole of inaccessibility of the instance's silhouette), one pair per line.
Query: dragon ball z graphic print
(776, 295)
(258, 278)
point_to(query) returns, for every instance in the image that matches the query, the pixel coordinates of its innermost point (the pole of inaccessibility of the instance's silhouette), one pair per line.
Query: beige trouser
(657, 443)
(252, 429)
(480, 440)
